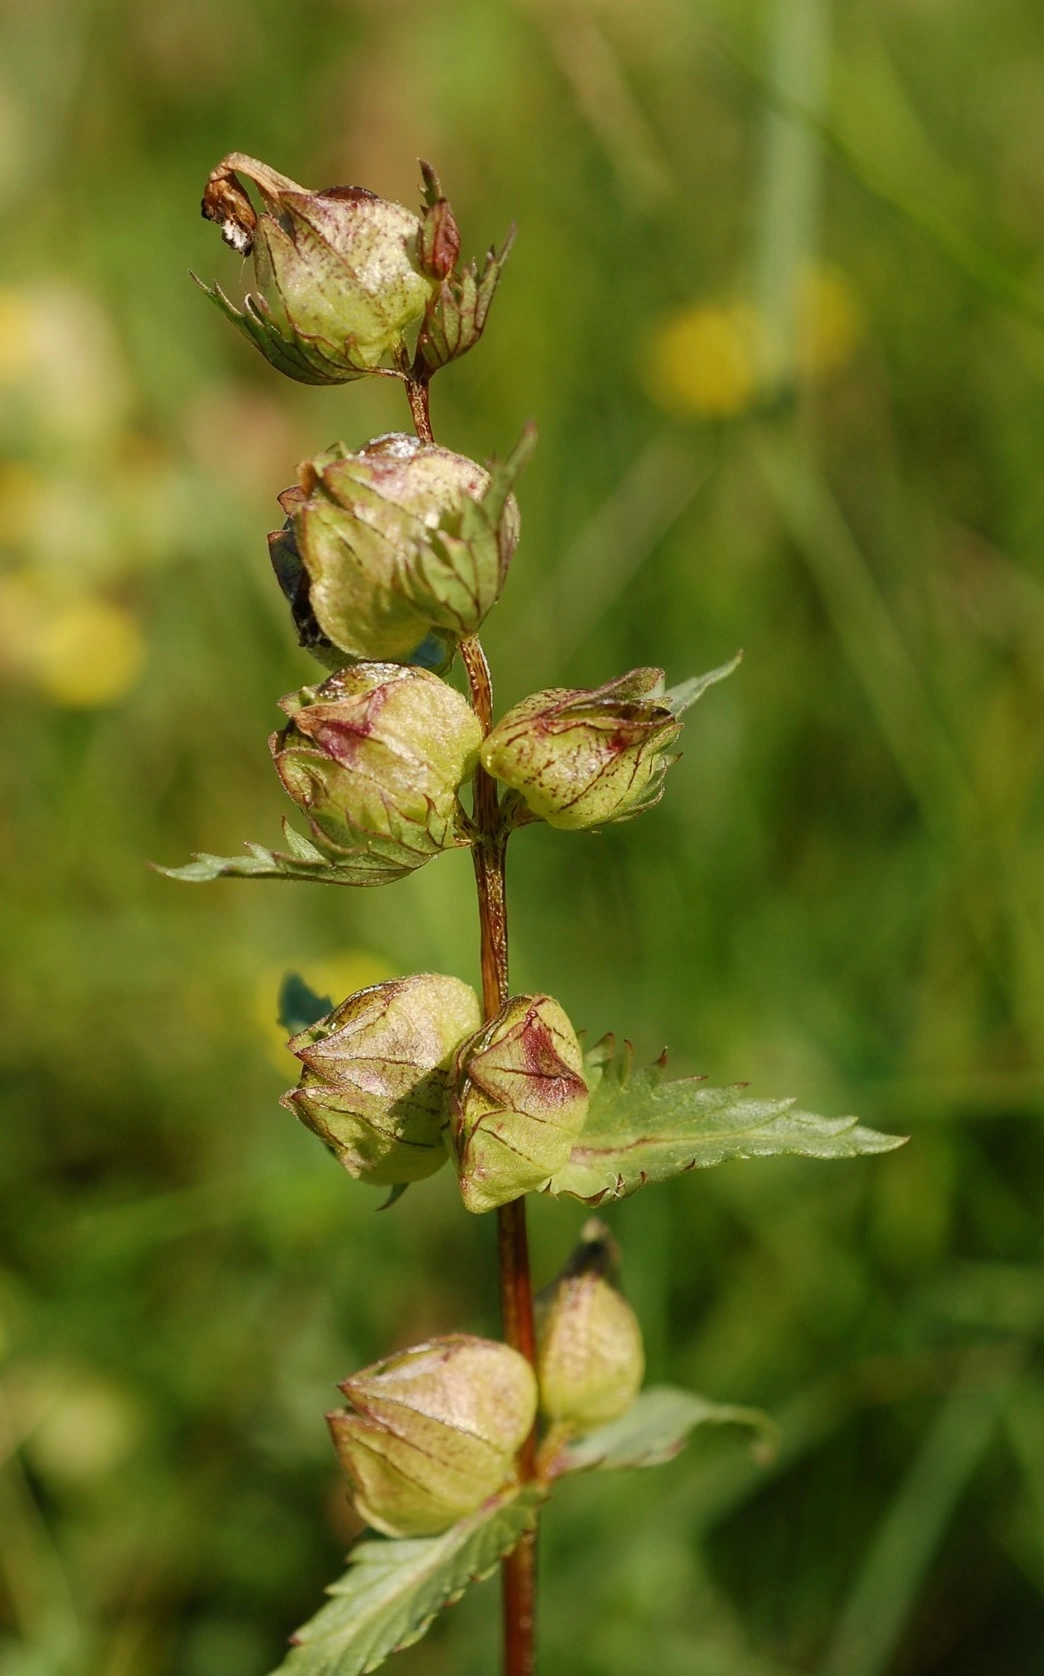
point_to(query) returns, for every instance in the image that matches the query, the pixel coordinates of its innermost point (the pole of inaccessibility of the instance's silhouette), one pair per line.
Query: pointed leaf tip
(641, 1129)
(394, 1196)
(679, 699)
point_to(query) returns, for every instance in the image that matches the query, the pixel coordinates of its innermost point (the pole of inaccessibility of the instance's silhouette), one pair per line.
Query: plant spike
(390, 557)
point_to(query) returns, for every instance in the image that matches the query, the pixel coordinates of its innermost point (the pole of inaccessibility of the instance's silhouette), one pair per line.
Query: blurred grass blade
(886, 669)
(917, 734)
(788, 215)
(35, 1581)
(962, 253)
(897, 1566)
(604, 97)
(1024, 1421)
(653, 494)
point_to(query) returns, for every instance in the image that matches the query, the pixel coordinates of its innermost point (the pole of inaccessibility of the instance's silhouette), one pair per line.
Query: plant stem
(516, 1292)
(489, 851)
(417, 396)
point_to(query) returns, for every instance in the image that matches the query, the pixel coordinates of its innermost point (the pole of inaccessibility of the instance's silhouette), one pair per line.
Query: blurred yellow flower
(337, 976)
(89, 653)
(16, 347)
(712, 360)
(82, 653)
(703, 360)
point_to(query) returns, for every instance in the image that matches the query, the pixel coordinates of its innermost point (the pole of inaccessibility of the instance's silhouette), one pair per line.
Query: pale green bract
(392, 1589)
(641, 1128)
(300, 861)
(655, 1428)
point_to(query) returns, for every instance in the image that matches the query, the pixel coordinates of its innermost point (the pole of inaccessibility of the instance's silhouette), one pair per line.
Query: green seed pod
(339, 274)
(580, 759)
(435, 651)
(517, 1102)
(404, 537)
(375, 1072)
(433, 1431)
(583, 758)
(590, 1360)
(376, 756)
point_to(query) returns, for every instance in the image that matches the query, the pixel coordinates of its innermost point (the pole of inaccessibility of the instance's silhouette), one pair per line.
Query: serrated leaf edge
(388, 1552)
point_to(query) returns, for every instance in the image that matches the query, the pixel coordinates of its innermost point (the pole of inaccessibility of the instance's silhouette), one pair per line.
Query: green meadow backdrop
(776, 306)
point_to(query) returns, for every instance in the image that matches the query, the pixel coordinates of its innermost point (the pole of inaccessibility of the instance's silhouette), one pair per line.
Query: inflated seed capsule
(584, 758)
(431, 1432)
(375, 1071)
(403, 538)
(580, 759)
(517, 1101)
(376, 756)
(590, 1359)
(339, 275)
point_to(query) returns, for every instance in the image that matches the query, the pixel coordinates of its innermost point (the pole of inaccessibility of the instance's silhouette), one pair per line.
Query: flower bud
(403, 537)
(376, 756)
(433, 1431)
(590, 1360)
(581, 759)
(517, 1101)
(375, 1072)
(338, 272)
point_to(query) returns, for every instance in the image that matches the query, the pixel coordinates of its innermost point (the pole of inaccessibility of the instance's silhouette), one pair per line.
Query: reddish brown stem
(516, 1292)
(489, 851)
(417, 395)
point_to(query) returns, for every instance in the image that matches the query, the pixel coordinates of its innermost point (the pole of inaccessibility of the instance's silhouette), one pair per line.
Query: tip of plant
(432, 185)
(193, 872)
(394, 1196)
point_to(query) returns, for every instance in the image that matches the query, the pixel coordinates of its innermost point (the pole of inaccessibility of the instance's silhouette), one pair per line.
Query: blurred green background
(776, 306)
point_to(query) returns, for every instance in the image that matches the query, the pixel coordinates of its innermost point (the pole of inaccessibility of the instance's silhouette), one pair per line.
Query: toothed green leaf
(392, 1590)
(641, 1128)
